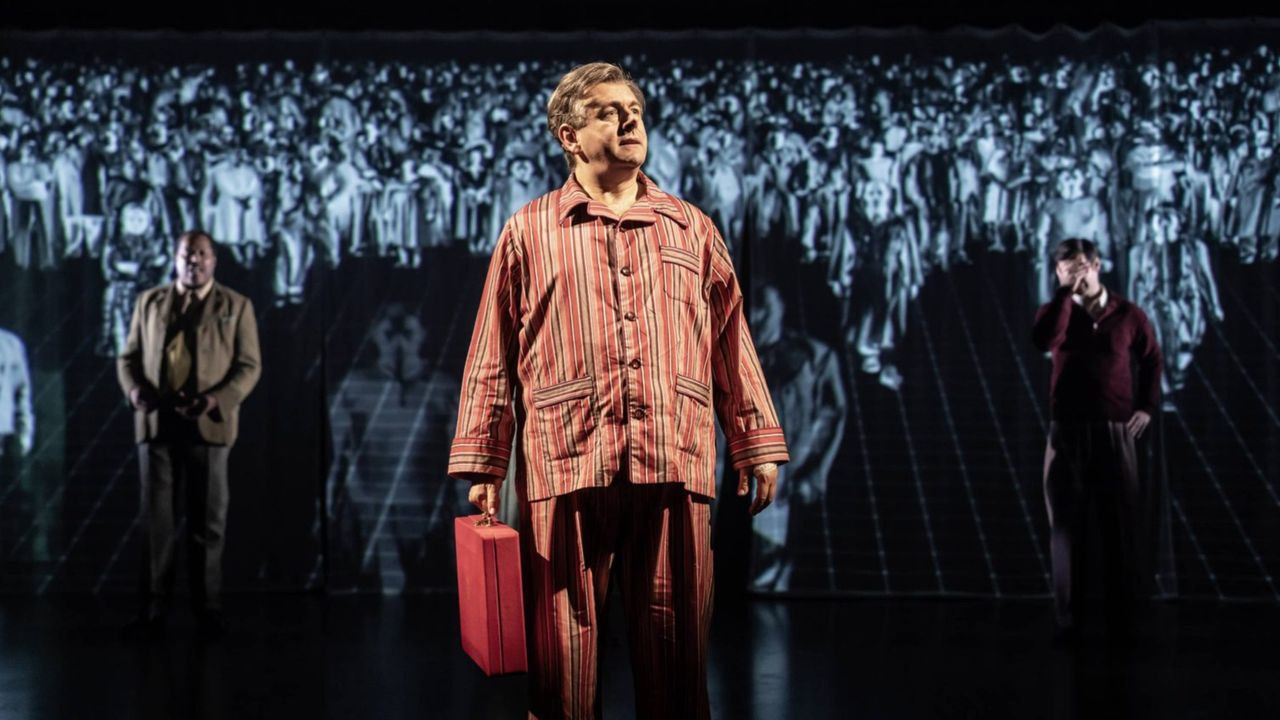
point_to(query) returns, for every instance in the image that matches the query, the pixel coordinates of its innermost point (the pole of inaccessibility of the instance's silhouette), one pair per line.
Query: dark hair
(1071, 247)
(193, 234)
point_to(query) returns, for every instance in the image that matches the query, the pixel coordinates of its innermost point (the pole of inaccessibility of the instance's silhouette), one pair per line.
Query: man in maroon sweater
(1098, 409)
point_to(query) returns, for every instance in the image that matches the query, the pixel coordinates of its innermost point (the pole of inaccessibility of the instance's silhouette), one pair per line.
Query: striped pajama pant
(660, 538)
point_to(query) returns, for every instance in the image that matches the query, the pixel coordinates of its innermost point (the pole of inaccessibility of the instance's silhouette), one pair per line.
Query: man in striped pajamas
(610, 329)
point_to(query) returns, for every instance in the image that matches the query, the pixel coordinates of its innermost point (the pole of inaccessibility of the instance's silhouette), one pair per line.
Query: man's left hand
(197, 406)
(1138, 423)
(766, 475)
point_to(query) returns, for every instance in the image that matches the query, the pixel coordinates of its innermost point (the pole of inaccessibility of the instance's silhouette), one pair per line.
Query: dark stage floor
(369, 657)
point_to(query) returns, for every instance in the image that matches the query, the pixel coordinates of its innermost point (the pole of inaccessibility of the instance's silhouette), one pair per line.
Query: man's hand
(1137, 423)
(193, 408)
(766, 475)
(143, 397)
(484, 495)
(1070, 276)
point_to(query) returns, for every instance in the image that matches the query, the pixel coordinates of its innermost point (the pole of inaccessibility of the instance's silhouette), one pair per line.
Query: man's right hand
(143, 398)
(1071, 277)
(484, 495)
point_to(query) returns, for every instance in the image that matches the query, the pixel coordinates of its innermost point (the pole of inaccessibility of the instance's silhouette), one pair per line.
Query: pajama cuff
(482, 456)
(758, 446)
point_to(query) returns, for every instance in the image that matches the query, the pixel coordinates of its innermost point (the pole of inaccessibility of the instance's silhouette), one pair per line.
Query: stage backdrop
(889, 197)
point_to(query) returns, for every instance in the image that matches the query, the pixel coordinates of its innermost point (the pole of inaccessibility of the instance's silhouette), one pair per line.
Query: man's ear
(568, 138)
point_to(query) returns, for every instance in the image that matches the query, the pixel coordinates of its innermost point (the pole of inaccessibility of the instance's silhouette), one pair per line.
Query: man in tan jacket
(190, 360)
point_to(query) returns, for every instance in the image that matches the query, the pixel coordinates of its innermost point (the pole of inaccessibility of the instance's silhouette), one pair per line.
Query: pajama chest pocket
(681, 275)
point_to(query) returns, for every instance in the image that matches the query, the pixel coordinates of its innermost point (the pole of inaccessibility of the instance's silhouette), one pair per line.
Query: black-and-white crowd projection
(891, 200)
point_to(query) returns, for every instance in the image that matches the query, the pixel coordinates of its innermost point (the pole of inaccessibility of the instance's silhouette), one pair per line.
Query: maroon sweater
(1092, 377)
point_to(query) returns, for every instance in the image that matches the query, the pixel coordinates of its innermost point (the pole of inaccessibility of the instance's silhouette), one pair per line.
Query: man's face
(1070, 184)
(614, 134)
(135, 220)
(1081, 265)
(522, 169)
(475, 161)
(194, 262)
(1164, 228)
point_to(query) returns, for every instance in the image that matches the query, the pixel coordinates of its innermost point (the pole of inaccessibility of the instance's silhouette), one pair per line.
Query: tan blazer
(228, 360)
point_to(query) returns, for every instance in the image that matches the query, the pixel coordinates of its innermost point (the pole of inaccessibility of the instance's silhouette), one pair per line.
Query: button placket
(624, 292)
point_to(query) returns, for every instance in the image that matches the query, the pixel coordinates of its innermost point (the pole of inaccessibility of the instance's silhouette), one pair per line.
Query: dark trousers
(21, 507)
(182, 479)
(1096, 518)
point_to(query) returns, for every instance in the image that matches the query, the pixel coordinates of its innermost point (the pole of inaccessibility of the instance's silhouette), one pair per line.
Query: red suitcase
(490, 598)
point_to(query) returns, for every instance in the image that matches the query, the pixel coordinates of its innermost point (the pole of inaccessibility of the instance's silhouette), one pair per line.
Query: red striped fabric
(659, 536)
(614, 339)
